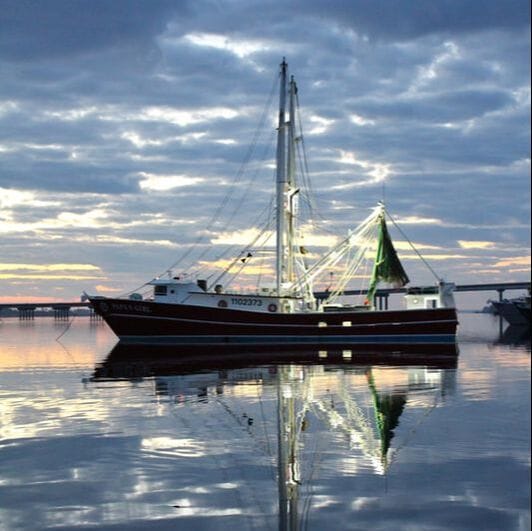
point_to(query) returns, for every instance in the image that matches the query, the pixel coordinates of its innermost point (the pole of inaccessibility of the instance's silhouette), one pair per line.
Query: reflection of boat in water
(514, 311)
(286, 310)
(362, 403)
(523, 306)
(515, 335)
(132, 361)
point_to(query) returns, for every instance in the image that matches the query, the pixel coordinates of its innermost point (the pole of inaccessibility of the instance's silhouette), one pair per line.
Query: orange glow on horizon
(25, 299)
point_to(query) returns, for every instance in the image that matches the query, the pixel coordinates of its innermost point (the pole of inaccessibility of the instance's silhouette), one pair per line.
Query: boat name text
(128, 307)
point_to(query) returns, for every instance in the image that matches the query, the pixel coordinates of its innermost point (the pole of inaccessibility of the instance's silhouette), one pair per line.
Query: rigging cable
(233, 247)
(236, 179)
(438, 278)
(246, 249)
(354, 261)
(236, 209)
(252, 180)
(304, 164)
(243, 260)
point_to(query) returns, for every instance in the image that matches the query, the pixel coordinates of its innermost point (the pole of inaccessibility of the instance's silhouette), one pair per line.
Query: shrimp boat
(187, 311)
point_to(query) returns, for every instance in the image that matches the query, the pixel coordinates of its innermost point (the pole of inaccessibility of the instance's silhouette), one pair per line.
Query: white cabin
(177, 291)
(440, 296)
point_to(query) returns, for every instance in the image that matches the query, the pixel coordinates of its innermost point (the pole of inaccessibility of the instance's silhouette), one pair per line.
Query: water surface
(93, 436)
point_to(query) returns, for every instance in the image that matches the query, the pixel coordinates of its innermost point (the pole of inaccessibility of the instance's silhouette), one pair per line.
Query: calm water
(89, 439)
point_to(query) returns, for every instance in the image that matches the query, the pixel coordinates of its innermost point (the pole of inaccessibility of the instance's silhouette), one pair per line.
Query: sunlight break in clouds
(360, 120)
(514, 261)
(95, 217)
(377, 170)
(415, 220)
(162, 183)
(8, 106)
(187, 117)
(14, 271)
(407, 246)
(434, 256)
(43, 276)
(10, 197)
(239, 47)
(122, 114)
(464, 244)
(110, 239)
(244, 237)
(320, 125)
(429, 73)
(100, 288)
(73, 114)
(140, 142)
(49, 267)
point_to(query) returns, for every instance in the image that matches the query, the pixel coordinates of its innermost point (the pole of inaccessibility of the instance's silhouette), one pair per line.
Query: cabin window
(346, 323)
(322, 324)
(160, 290)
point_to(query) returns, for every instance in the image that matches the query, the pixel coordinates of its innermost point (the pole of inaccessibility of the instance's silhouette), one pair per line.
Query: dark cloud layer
(61, 29)
(411, 19)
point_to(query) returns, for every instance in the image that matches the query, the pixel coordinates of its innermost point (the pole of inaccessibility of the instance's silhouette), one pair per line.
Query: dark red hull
(153, 323)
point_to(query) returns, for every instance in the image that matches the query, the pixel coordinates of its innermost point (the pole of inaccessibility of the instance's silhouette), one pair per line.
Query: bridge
(61, 310)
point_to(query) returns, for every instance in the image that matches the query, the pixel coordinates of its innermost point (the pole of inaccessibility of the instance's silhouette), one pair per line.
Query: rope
(302, 153)
(65, 330)
(436, 276)
(246, 249)
(236, 180)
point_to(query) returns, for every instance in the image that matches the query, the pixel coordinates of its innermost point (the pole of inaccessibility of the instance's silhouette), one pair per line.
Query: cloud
(71, 27)
(47, 272)
(434, 256)
(411, 19)
(49, 267)
(376, 171)
(415, 220)
(360, 120)
(476, 244)
(161, 183)
(514, 261)
(242, 48)
(101, 288)
(407, 246)
(44, 276)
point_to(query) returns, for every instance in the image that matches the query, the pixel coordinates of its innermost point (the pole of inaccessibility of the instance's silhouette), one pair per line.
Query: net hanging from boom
(387, 266)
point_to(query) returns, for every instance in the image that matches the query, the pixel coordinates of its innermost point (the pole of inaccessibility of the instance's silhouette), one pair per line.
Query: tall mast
(286, 189)
(291, 191)
(281, 183)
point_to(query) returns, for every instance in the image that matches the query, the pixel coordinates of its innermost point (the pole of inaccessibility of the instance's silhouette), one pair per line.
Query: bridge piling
(61, 313)
(26, 313)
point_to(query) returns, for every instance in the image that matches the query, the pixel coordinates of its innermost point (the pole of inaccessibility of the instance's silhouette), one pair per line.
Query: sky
(125, 125)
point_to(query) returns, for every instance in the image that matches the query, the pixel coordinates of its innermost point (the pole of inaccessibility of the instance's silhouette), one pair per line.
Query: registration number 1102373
(246, 301)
